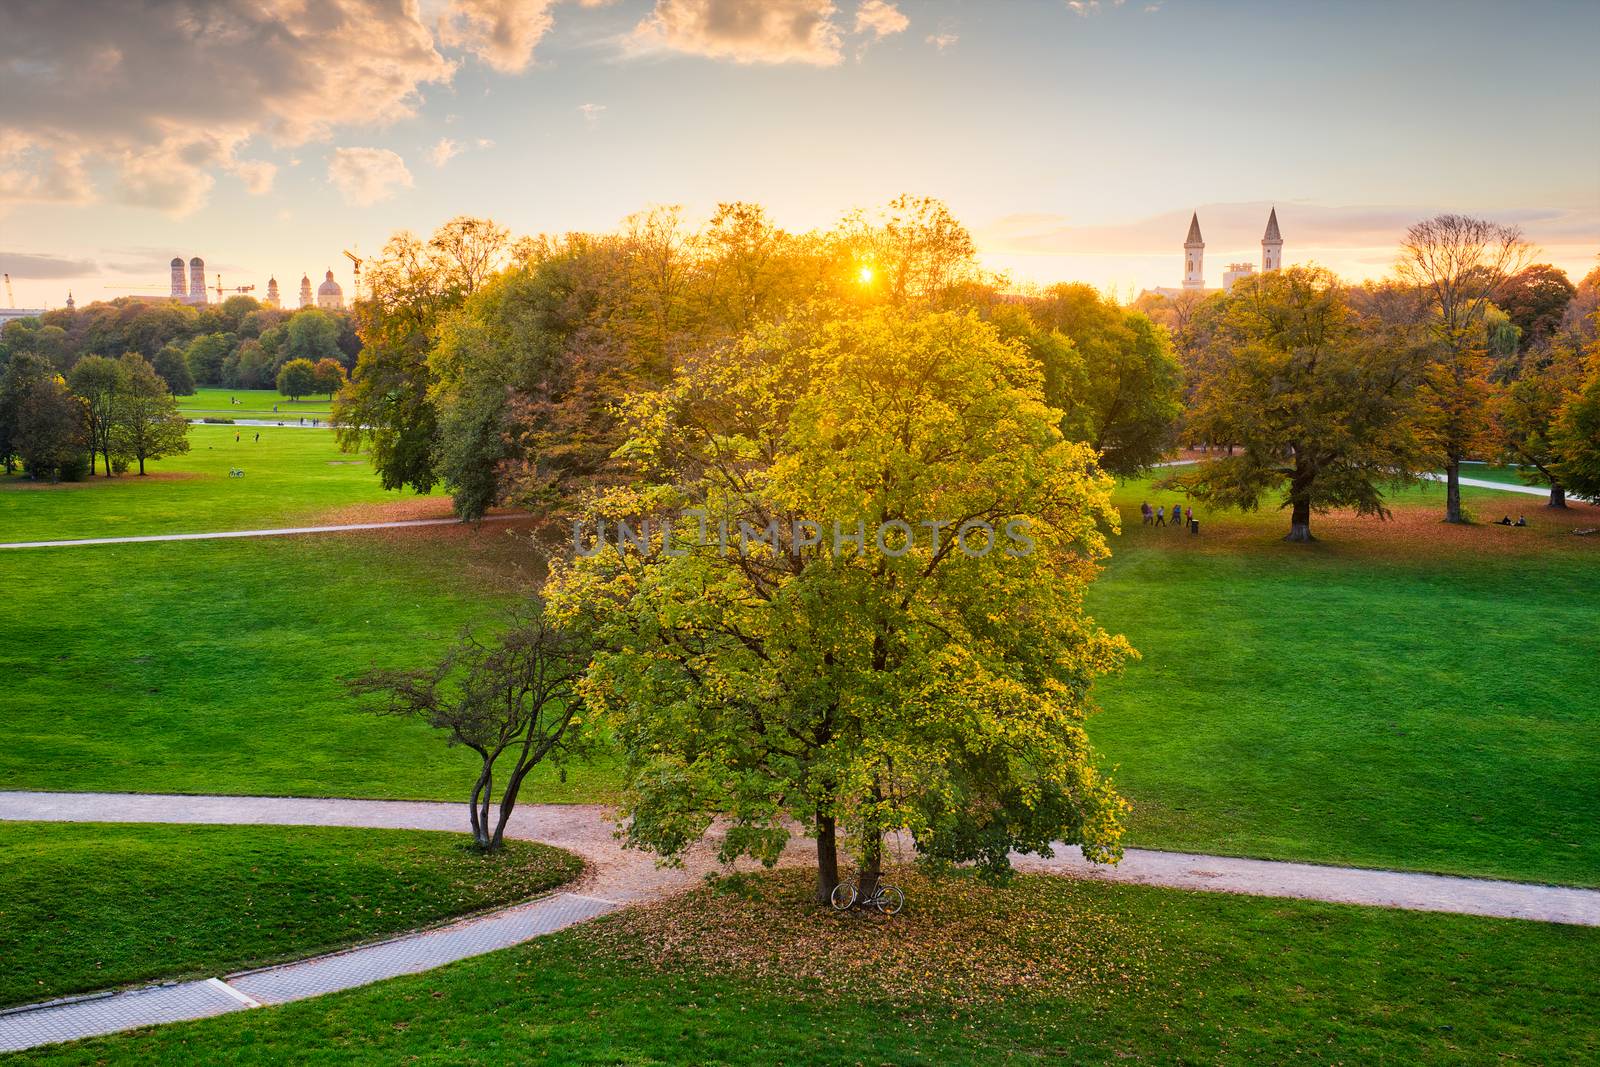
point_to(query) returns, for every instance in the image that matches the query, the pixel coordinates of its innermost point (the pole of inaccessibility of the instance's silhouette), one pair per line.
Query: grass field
(215, 666)
(252, 404)
(1401, 694)
(291, 476)
(89, 906)
(1073, 972)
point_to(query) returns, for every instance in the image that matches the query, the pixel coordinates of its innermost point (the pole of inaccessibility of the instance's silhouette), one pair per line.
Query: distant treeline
(239, 343)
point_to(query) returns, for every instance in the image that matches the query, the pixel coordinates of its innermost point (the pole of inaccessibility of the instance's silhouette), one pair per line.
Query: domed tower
(197, 281)
(180, 282)
(272, 293)
(330, 295)
(1271, 245)
(71, 303)
(305, 291)
(1194, 251)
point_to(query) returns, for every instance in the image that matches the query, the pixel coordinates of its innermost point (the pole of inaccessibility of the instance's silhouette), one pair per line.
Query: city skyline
(1074, 140)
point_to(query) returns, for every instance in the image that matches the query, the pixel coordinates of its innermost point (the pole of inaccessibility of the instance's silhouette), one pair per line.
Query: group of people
(1178, 517)
(1505, 520)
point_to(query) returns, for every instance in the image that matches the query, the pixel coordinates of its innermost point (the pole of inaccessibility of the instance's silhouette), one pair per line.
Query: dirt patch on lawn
(398, 510)
(957, 940)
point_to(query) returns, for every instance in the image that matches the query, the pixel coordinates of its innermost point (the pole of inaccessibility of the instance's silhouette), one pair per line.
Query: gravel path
(284, 531)
(615, 877)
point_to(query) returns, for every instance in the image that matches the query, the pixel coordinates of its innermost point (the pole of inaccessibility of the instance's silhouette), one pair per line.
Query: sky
(1073, 139)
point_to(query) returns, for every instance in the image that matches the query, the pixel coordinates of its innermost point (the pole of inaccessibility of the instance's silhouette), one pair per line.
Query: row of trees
(495, 367)
(1325, 395)
(239, 343)
(111, 412)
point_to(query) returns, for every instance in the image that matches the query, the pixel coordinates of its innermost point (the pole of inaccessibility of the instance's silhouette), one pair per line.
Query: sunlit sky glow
(1073, 139)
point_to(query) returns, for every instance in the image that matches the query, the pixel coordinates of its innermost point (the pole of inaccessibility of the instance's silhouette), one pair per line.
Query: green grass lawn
(215, 666)
(252, 404)
(290, 476)
(86, 906)
(1367, 700)
(1074, 972)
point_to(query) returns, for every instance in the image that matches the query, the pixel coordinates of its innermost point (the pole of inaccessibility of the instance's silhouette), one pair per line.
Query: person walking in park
(1160, 513)
(236, 437)
(258, 437)
(1144, 509)
(1188, 515)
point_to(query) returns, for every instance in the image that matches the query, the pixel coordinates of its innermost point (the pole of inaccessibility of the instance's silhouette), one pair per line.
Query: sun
(864, 275)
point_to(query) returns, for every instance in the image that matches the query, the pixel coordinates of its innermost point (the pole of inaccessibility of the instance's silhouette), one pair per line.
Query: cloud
(941, 41)
(444, 151)
(880, 18)
(502, 33)
(744, 31)
(256, 174)
(28, 266)
(591, 112)
(367, 175)
(163, 93)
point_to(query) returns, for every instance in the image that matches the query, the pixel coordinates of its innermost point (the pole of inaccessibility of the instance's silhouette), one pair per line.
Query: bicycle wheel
(844, 896)
(890, 900)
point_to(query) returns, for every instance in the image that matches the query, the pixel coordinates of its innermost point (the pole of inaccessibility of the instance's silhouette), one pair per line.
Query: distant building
(330, 296)
(7, 314)
(305, 292)
(272, 293)
(1234, 272)
(1194, 251)
(197, 281)
(187, 288)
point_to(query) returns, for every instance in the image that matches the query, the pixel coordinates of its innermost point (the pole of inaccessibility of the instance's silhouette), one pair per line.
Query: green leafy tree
(147, 423)
(388, 404)
(52, 431)
(1320, 404)
(329, 374)
(1527, 413)
(939, 686)
(254, 369)
(100, 382)
(205, 356)
(1124, 398)
(297, 378)
(312, 335)
(19, 374)
(174, 370)
(1577, 437)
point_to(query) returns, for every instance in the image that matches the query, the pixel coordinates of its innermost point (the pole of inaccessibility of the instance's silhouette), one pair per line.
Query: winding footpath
(281, 531)
(615, 877)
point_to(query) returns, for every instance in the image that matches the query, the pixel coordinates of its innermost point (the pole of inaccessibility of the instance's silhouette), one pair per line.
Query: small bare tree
(514, 693)
(1460, 265)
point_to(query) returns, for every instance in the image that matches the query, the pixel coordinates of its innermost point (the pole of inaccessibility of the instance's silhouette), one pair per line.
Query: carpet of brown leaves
(18, 483)
(1413, 532)
(957, 941)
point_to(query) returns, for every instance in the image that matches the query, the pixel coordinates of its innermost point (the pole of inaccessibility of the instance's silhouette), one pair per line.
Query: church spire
(1194, 250)
(1271, 245)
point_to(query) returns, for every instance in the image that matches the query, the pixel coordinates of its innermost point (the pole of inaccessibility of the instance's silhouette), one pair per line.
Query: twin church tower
(1194, 250)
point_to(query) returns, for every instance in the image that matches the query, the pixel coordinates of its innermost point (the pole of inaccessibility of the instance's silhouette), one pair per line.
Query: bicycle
(886, 898)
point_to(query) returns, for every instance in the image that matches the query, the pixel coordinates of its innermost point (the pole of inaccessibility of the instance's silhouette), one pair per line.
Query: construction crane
(11, 301)
(353, 258)
(219, 290)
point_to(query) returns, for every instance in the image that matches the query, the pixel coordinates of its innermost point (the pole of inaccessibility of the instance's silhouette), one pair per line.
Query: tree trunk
(141, 465)
(1452, 491)
(478, 809)
(827, 858)
(871, 868)
(1300, 503)
(1558, 496)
